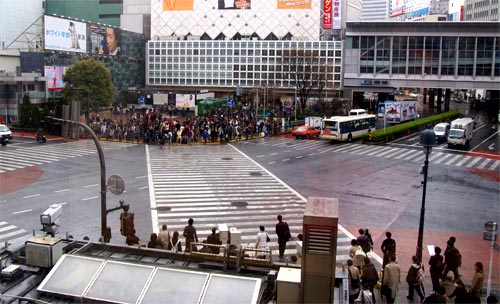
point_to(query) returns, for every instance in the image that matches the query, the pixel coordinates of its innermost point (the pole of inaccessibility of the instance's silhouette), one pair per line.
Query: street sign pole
(491, 227)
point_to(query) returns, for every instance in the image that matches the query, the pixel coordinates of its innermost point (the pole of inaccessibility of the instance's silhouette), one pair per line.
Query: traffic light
(127, 224)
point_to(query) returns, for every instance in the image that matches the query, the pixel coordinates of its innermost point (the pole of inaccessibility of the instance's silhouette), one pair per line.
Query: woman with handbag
(262, 242)
(391, 279)
(354, 281)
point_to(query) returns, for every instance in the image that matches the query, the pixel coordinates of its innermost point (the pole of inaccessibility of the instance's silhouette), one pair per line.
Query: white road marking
(22, 211)
(88, 186)
(286, 159)
(89, 198)
(30, 196)
(143, 176)
(62, 190)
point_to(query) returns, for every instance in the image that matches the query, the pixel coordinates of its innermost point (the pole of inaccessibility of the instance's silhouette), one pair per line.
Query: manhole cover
(239, 204)
(227, 158)
(255, 174)
(163, 208)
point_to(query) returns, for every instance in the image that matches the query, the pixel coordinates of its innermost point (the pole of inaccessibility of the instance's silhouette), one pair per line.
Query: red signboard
(327, 18)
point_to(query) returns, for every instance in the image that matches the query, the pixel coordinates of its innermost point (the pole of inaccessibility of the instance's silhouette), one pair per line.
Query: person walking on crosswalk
(283, 232)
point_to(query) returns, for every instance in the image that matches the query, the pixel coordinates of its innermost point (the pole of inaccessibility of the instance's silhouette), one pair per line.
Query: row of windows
(468, 56)
(223, 67)
(245, 52)
(235, 75)
(225, 82)
(246, 60)
(245, 44)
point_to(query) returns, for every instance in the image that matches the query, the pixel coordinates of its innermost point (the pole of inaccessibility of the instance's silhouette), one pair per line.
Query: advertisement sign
(184, 100)
(178, 5)
(65, 35)
(105, 40)
(396, 8)
(235, 4)
(328, 16)
(294, 4)
(396, 112)
(336, 14)
(160, 99)
(54, 75)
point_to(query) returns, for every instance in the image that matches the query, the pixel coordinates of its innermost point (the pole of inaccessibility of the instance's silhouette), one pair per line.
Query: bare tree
(302, 67)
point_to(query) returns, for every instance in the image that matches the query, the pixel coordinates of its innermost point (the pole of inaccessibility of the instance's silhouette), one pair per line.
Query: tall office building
(98, 11)
(375, 10)
(136, 17)
(220, 45)
(481, 10)
(16, 16)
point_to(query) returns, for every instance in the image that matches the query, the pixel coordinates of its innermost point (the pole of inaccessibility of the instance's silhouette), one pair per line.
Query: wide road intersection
(247, 184)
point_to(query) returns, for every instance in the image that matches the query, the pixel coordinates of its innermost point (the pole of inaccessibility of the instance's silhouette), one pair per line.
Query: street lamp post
(105, 231)
(427, 140)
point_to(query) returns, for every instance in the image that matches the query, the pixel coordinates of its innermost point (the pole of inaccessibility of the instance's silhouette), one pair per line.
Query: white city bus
(346, 128)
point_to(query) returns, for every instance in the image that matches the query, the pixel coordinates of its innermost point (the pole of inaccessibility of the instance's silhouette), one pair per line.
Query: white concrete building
(16, 16)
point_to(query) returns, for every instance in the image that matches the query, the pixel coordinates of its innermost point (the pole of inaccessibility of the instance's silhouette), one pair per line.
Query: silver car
(441, 130)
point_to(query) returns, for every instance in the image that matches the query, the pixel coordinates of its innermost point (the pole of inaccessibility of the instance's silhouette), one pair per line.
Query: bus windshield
(331, 125)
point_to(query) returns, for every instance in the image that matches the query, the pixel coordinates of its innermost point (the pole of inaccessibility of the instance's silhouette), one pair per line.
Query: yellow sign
(294, 4)
(178, 5)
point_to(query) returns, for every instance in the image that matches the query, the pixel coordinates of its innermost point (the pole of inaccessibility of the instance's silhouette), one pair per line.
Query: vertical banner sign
(337, 15)
(327, 18)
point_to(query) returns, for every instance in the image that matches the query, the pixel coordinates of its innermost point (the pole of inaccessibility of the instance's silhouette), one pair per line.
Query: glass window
(448, 54)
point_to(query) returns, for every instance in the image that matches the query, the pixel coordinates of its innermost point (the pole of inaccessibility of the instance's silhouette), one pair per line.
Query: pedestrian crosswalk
(9, 233)
(439, 156)
(18, 157)
(220, 185)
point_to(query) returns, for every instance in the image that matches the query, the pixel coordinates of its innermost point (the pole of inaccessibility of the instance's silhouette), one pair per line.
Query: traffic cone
(22, 134)
(83, 135)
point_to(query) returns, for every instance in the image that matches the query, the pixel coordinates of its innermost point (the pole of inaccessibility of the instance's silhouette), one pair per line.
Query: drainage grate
(163, 208)
(239, 204)
(255, 174)
(227, 158)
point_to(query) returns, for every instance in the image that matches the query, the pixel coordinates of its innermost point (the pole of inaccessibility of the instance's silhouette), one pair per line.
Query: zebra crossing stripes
(9, 232)
(15, 158)
(219, 185)
(439, 156)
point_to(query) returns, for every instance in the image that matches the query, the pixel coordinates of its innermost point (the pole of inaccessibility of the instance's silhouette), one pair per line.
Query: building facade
(379, 57)
(98, 11)
(481, 10)
(225, 64)
(16, 16)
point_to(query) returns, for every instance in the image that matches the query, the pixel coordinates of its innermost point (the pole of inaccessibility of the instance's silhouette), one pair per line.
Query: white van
(357, 112)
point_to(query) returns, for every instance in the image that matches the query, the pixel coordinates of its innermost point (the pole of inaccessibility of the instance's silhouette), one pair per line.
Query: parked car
(305, 132)
(441, 130)
(5, 132)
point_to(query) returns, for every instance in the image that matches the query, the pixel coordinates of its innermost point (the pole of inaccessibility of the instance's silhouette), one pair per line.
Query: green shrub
(399, 130)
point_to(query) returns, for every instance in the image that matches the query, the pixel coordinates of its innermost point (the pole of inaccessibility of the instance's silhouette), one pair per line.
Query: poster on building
(294, 4)
(178, 5)
(54, 75)
(396, 8)
(105, 40)
(328, 14)
(184, 101)
(336, 15)
(65, 35)
(160, 99)
(235, 4)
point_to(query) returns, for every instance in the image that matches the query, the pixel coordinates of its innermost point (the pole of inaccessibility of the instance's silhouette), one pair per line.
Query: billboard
(235, 4)
(178, 5)
(396, 8)
(105, 40)
(336, 15)
(54, 75)
(294, 4)
(65, 35)
(184, 101)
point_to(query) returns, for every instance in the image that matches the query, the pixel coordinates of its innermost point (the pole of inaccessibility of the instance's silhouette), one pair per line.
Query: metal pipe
(103, 171)
(422, 210)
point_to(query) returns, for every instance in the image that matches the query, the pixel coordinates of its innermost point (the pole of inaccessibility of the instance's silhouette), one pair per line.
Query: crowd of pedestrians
(158, 126)
(365, 280)
(163, 240)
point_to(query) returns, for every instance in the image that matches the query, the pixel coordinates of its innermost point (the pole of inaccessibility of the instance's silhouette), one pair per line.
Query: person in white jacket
(262, 242)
